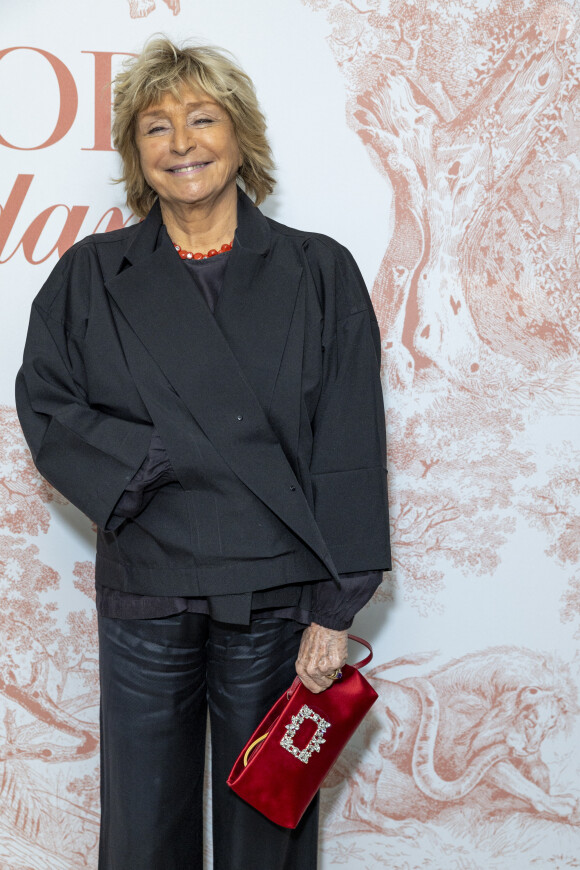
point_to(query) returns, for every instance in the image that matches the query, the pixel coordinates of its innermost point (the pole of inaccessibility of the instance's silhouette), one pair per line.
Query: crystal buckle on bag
(294, 726)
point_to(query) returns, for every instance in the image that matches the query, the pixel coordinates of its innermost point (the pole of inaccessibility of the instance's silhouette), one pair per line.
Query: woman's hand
(322, 651)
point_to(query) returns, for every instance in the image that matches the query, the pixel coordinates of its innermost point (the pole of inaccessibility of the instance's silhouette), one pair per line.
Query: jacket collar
(253, 232)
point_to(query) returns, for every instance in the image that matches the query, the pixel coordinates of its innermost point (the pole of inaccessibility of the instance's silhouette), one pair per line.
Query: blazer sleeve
(336, 605)
(86, 454)
(348, 465)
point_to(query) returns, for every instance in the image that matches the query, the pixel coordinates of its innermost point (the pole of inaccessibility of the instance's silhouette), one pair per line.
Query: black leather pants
(158, 677)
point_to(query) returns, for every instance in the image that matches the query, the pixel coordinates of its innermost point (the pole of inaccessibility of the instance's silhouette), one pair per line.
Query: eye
(155, 129)
(202, 121)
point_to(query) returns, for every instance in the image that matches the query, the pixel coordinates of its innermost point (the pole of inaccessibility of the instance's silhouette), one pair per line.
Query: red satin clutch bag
(284, 762)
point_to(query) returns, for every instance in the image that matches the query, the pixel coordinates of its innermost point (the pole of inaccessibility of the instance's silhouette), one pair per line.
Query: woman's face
(188, 149)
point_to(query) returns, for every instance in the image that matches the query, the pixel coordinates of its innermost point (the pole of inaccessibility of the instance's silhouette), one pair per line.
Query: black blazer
(270, 409)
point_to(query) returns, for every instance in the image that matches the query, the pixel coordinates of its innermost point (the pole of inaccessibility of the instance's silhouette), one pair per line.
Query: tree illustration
(24, 495)
(570, 601)
(455, 473)
(48, 671)
(470, 110)
(554, 509)
(142, 8)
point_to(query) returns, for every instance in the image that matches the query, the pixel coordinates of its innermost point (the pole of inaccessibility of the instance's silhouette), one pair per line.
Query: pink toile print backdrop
(440, 141)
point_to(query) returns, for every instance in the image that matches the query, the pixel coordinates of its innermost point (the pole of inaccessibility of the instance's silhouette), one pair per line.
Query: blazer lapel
(204, 356)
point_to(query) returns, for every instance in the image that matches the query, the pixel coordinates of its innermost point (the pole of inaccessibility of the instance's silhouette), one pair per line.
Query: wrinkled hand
(322, 651)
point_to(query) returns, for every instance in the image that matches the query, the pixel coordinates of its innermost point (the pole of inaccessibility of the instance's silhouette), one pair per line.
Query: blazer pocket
(161, 534)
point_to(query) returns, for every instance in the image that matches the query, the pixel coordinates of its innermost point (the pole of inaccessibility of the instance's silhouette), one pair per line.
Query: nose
(183, 139)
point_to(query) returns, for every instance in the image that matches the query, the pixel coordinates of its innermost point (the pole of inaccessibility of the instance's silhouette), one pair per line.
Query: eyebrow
(153, 113)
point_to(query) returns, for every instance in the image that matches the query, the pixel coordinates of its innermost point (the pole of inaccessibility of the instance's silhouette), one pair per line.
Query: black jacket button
(292, 487)
(240, 416)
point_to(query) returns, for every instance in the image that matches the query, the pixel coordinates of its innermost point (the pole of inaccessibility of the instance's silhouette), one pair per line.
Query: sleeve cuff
(335, 606)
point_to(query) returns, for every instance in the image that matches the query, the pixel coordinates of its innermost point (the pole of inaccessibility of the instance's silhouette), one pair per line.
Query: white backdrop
(439, 142)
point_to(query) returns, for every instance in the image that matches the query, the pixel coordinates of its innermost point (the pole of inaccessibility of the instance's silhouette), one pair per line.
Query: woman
(205, 387)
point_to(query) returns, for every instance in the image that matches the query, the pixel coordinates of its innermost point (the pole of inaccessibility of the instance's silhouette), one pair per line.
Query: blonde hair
(162, 68)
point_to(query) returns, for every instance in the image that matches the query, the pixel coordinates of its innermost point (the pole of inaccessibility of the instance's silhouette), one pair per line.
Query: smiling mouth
(187, 169)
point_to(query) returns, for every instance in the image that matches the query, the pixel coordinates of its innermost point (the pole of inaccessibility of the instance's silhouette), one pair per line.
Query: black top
(284, 601)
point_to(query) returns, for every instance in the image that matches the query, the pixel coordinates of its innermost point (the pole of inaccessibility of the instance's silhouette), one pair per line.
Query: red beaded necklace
(188, 255)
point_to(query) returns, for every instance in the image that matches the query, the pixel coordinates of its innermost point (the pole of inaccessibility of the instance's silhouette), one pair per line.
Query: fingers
(315, 686)
(322, 672)
(314, 679)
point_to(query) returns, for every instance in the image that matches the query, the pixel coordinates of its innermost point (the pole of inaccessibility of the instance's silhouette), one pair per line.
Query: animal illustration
(470, 730)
